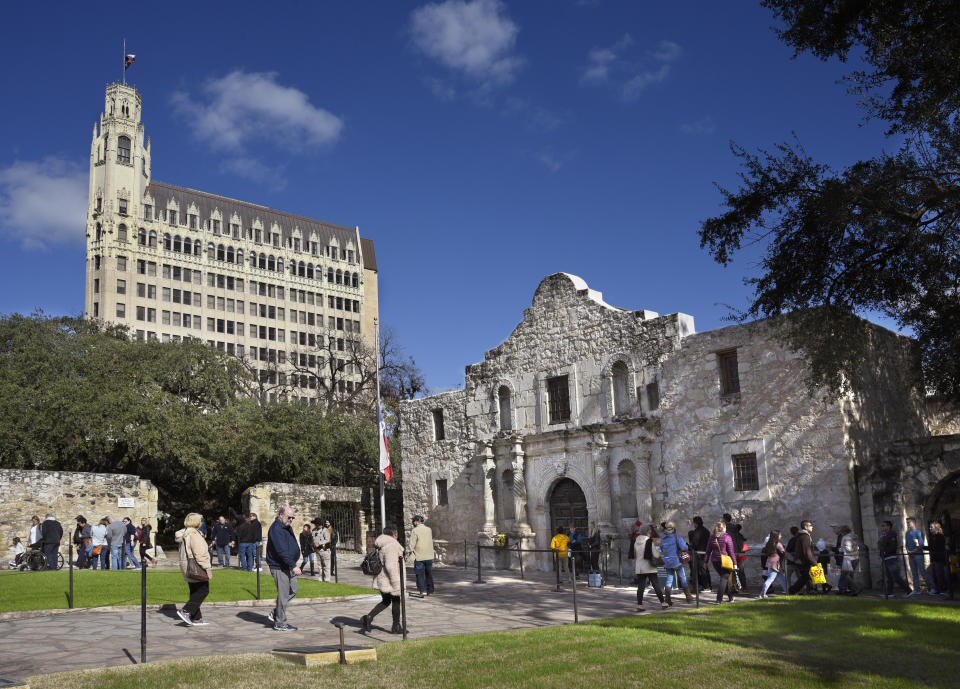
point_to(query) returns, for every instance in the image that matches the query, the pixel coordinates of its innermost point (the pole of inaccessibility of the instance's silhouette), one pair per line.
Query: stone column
(601, 473)
(489, 468)
(519, 492)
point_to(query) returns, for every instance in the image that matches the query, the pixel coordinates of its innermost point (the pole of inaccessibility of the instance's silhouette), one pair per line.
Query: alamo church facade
(593, 413)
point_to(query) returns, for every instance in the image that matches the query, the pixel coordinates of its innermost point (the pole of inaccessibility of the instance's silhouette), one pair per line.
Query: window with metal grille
(558, 395)
(729, 373)
(438, 433)
(745, 475)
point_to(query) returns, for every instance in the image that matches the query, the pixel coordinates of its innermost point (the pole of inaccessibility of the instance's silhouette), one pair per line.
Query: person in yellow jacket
(558, 544)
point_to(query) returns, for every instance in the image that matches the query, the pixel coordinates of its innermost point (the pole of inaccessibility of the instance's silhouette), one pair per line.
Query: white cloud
(242, 107)
(615, 66)
(475, 38)
(704, 126)
(43, 203)
(253, 169)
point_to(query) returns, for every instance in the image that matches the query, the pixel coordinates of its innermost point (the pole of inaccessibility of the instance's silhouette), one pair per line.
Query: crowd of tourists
(108, 544)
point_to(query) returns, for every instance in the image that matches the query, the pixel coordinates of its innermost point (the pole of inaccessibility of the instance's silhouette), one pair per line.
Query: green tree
(880, 235)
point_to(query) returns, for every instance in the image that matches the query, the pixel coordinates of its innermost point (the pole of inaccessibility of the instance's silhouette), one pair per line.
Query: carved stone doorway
(568, 506)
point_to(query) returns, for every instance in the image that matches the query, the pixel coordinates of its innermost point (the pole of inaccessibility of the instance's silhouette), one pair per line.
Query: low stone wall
(25, 493)
(308, 503)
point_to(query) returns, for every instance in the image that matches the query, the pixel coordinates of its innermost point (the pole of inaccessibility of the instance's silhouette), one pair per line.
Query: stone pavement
(97, 638)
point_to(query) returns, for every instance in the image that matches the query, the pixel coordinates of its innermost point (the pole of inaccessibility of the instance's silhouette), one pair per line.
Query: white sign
(124, 502)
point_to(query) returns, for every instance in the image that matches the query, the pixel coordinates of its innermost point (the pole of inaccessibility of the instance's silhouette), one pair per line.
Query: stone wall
(308, 503)
(25, 493)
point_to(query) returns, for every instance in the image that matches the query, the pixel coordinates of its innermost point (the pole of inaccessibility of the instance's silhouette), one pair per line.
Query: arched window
(240, 256)
(621, 388)
(142, 237)
(272, 262)
(301, 269)
(177, 243)
(339, 276)
(508, 505)
(123, 149)
(329, 274)
(229, 254)
(197, 247)
(166, 241)
(153, 239)
(221, 254)
(279, 264)
(253, 259)
(355, 280)
(627, 475)
(503, 397)
(211, 250)
(310, 270)
(262, 261)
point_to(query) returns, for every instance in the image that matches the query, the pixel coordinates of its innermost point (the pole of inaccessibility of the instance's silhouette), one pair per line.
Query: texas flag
(129, 60)
(385, 465)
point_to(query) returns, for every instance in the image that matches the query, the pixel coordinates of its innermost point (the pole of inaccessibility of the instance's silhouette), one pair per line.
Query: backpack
(372, 565)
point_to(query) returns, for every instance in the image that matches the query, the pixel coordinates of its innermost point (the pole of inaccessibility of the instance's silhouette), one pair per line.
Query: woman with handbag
(723, 557)
(775, 554)
(196, 567)
(676, 553)
(648, 553)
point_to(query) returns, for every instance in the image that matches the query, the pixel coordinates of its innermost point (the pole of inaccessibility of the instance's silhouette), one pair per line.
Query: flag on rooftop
(128, 60)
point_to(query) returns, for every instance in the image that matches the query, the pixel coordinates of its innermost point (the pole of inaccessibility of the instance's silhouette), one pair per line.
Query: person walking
(697, 537)
(388, 581)
(673, 547)
(938, 557)
(249, 534)
(143, 539)
(849, 554)
(804, 557)
(282, 555)
(81, 539)
(558, 544)
(130, 542)
(223, 538)
(421, 548)
(775, 554)
(196, 568)
(647, 551)
(887, 546)
(323, 541)
(99, 550)
(594, 545)
(913, 540)
(51, 533)
(306, 547)
(721, 544)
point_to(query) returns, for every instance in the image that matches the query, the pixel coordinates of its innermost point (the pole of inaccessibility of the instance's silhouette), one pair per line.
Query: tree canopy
(879, 235)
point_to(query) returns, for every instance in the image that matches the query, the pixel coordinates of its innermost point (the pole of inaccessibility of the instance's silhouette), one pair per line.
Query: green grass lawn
(48, 590)
(789, 643)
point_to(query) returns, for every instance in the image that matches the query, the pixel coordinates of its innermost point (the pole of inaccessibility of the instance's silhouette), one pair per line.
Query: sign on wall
(124, 502)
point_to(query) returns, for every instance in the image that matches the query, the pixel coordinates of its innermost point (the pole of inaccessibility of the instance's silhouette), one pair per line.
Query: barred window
(745, 476)
(438, 432)
(558, 394)
(729, 372)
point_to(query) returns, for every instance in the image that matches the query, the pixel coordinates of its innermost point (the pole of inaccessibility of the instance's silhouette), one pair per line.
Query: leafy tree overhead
(879, 235)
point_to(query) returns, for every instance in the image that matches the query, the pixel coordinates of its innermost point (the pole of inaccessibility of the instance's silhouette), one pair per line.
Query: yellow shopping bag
(816, 574)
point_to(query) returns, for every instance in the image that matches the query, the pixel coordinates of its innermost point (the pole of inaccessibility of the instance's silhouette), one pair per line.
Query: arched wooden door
(568, 506)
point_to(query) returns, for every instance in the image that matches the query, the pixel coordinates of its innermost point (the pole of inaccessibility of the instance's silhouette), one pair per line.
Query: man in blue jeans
(130, 542)
(913, 539)
(421, 547)
(115, 535)
(224, 538)
(887, 547)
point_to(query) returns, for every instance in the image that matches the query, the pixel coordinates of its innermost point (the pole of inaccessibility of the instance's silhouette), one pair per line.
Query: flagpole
(123, 63)
(380, 430)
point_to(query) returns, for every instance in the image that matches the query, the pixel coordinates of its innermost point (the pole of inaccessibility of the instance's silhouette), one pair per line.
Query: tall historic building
(592, 413)
(290, 295)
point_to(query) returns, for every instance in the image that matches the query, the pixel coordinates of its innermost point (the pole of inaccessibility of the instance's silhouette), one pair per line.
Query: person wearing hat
(323, 540)
(421, 547)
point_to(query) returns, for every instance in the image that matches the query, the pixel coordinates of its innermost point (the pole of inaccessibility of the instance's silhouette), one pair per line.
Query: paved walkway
(93, 638)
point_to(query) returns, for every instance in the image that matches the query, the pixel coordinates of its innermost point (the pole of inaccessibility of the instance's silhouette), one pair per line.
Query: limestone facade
(661, 423)
(26, 493)
(285, 293)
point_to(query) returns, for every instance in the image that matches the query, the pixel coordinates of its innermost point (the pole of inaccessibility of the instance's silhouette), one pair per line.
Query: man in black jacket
(888, 546)
(804, 556)
(51, 533)
(698, 538)
(249, 536)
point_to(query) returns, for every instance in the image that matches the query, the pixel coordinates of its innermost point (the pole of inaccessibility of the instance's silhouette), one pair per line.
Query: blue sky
(482, 145)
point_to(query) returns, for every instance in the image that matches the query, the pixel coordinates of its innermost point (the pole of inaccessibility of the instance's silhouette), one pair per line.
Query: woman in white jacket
(647, 549)
(388, 580)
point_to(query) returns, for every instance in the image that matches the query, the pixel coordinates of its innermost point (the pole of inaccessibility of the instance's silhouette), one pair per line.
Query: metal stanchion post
(333, 565)
(479, 574)
(573, 565)
(143, 610)
(883, 578)
(520, 556)
(403, 599)
(556, 567)
(258, 571)
(70, 557)
(696, 575)
(620, 566)
(464, 553)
